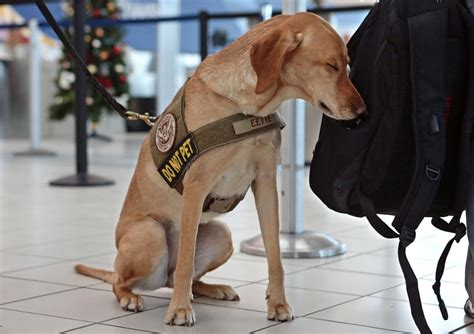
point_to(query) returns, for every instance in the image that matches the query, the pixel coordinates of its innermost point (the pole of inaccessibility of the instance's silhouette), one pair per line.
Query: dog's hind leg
(213, 249)
(141, 262)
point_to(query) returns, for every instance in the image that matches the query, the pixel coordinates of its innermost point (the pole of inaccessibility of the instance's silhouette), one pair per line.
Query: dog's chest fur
(242, 171)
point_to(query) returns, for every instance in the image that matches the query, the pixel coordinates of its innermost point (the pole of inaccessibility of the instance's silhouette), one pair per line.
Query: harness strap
(173, 164)
(221, 205)
(233, 129)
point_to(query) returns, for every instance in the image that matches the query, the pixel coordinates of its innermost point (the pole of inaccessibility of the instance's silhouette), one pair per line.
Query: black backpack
(413, 63)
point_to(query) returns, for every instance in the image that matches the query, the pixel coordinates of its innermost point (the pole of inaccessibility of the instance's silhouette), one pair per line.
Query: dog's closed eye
(333, 66)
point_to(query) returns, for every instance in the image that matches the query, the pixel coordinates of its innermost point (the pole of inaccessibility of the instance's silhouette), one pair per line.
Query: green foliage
(105, 59)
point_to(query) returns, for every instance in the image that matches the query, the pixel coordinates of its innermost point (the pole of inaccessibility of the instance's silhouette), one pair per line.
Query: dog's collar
(174, 148)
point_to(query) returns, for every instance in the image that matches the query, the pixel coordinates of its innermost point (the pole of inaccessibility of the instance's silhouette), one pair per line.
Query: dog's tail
(104, 275)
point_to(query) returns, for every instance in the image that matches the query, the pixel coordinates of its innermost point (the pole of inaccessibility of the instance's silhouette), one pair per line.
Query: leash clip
(133, 116)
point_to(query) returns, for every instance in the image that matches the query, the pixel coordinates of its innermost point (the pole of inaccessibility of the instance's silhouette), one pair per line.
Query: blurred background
(125, 56)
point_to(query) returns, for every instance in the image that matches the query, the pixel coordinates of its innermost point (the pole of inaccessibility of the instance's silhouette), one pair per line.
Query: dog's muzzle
(353, 123)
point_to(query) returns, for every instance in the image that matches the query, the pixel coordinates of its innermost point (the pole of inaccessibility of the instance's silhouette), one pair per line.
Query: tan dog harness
(174, 148)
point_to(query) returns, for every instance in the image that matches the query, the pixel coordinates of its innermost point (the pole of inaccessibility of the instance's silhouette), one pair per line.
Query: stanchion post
(292, 167)
(168, 52)
(266, 11)
(82, 178)
(35, 94)
(294, 241)
(80, 98)
(203, 33)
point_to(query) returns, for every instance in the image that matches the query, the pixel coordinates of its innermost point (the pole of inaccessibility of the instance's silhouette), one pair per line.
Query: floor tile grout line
(423, 303)
(362, 326)
(463, 326)
(46, 282)
(60, 261)
(125, 327)
(55, 258)
(336, 305)
(132, 313)
(45, 315)
(71, 330)
(76, 328)
(325, 320)
(270, 326)
(8, 249)
(329, 269)
(300, 265)
(379, 291)
(141, 294)
(30, 298)
(317, 290)
(38, 281)
(85, 258)
(89, 321)
(260, 262)
(371, 296)
(33, 267)
(232, 307)
(226, 279)
(363, 272)
(34, 255)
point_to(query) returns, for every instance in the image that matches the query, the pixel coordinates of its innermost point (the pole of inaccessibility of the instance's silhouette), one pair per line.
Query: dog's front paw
(180, 316)
(280, 312)
(131, 302)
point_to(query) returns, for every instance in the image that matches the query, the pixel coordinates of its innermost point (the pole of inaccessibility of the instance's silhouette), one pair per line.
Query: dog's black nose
(361, 110)
(353, 123)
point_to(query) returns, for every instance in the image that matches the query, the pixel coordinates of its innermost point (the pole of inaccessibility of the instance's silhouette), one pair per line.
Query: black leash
(122, 111)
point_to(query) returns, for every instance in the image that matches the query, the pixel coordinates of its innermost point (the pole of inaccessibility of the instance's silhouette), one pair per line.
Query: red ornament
(96, 13)
(123, 78)
(106, 82)
(116, 50)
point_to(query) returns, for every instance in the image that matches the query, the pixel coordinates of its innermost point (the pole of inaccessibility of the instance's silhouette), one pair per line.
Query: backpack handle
(377, 223)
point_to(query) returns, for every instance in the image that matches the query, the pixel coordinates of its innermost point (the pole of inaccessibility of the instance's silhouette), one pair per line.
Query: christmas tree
(105, 60)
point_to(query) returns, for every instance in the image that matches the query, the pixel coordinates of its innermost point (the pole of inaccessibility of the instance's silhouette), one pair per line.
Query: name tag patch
(179, 160)
(254, 123)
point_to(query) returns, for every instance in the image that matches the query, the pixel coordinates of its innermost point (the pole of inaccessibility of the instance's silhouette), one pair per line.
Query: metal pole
(294, 241)
(35, 93)
(82, 177)
(35, 87)
(266, 11)
(168, 51)
(203, 33)
(292, 164)
(80, 98)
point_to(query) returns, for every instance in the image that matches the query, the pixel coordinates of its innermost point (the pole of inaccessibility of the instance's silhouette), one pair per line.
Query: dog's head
(306, 54)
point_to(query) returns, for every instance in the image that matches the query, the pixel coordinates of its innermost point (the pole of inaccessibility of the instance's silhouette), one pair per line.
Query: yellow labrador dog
(164, 239)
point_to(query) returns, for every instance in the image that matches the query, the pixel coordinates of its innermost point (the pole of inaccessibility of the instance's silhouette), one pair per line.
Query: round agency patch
(166, 133)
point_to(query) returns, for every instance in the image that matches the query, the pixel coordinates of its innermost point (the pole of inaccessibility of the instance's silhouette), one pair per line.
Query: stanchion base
(302, 245)
(35, 152)
(82, 180)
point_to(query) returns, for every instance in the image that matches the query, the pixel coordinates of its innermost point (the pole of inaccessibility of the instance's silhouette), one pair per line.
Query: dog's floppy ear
(268, 54)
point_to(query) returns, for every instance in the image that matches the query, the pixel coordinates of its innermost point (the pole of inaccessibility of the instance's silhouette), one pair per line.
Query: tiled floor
(44, 231)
